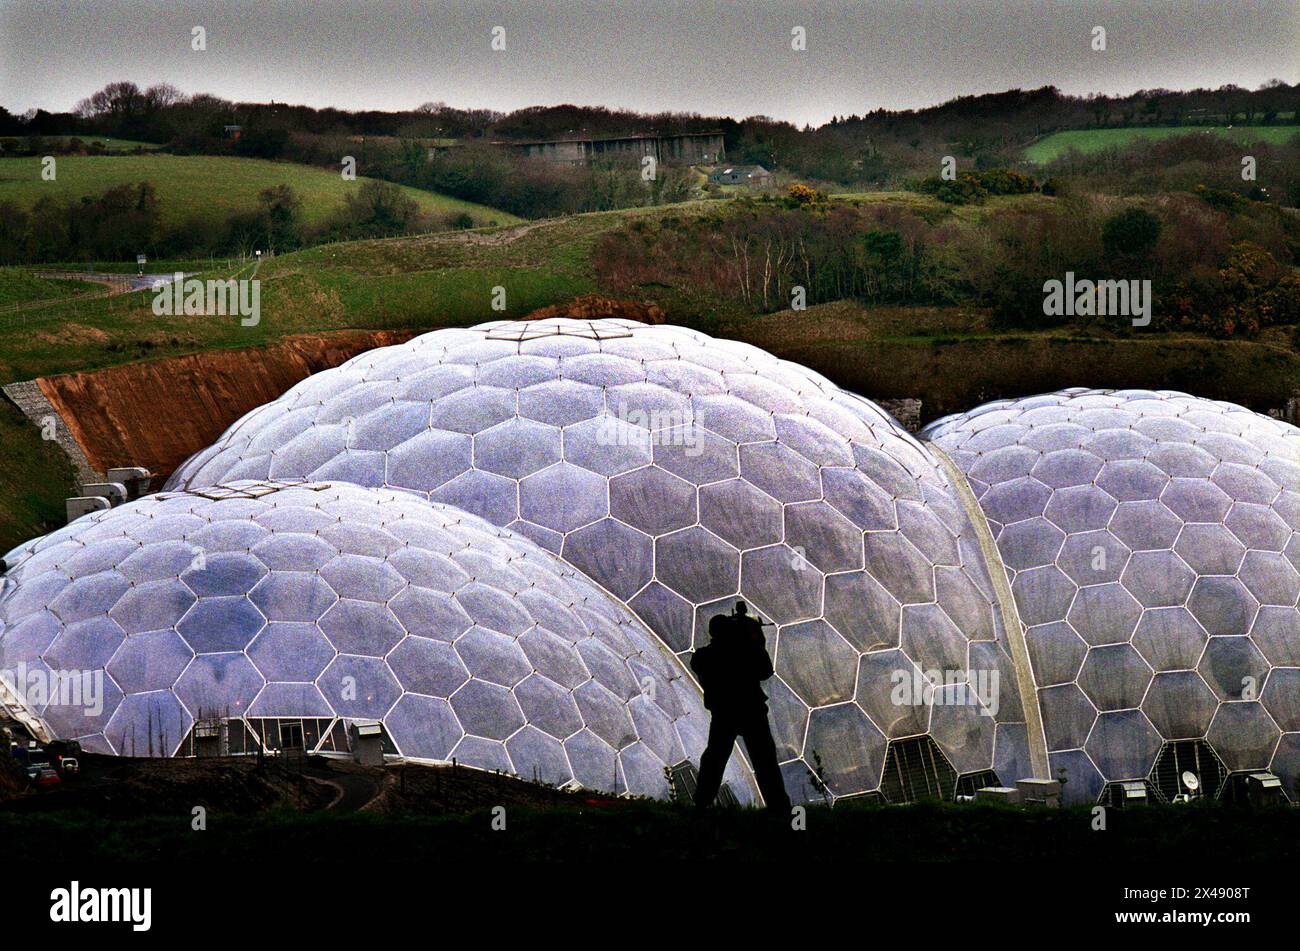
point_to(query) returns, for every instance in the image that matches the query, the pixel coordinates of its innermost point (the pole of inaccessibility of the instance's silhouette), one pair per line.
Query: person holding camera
(731, 669)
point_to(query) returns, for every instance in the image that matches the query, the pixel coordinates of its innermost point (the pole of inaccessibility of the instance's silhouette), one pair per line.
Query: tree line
(873, 147)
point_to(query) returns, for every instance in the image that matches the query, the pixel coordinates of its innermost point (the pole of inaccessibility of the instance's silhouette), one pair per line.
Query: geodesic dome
(320, 604)
(682, 472)
(1153, 545)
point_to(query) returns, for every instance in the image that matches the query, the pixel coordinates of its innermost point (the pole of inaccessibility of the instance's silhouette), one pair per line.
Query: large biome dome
(682, 472)
(310, 606)
(1153, 545)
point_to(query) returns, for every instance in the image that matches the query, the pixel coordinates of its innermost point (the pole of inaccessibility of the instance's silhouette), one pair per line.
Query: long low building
(688, 148)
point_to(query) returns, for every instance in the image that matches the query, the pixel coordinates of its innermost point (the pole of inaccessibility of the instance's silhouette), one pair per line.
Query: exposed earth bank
(159, 412)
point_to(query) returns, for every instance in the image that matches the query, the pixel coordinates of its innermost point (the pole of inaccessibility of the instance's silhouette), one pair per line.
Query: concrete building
(755, 176)
(688, 148)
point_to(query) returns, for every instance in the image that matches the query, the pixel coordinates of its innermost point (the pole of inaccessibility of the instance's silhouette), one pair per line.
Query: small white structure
(1040, 792)
(367, 742)
(85, 504)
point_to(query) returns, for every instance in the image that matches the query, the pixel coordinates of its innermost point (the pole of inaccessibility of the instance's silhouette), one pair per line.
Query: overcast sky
(714, 57)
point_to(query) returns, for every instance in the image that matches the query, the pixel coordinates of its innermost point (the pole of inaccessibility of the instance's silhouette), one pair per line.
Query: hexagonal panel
(1123, 745)
(1210, 549)
(1281, 697)
(817, 663)
(149, 661)
(221, 624)
(1114, 677)
(1056, 652)
(880, 673)
(427, 666)
(563, 497)
(740, 514)
(653, 500)
(361, 627)
(1222, 605)
(423, 727)
(697, 564)
(616, 556)
(219, 685)
(781, 584)
(1158, 579)
(1068, 716)
(1233, 667)
(1180, 705)
(1043, 595)
(851, 749)
(1104, 614)
(1243, 735)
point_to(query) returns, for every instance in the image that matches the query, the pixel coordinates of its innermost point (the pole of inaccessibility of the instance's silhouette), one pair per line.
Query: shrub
(376, 208)
(799, 195)
(965, 189)
(1250, 291)
(974, 187)
(1006, 181)
(1281, 303)
(1219, 198)
(1131, 233)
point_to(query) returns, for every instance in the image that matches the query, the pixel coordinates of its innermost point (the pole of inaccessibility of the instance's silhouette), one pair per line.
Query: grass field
(19, 285)
(1094, 140)
(113, 145)
(206, 186)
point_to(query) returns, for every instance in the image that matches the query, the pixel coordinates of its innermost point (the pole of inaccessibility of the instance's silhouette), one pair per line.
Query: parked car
(69, 766)
(47, 777)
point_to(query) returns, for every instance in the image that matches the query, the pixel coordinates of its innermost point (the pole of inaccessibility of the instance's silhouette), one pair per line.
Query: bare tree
(119, 99)
(161, 96)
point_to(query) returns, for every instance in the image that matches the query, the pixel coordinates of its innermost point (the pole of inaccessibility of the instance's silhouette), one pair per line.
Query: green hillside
(206, 186)
(105, 141)
(19, 285)
(1094, 140)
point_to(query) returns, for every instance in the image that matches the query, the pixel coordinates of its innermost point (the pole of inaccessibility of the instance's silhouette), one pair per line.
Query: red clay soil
(159, 412)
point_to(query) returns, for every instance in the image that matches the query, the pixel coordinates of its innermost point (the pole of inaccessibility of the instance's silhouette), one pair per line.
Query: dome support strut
(1010, 615)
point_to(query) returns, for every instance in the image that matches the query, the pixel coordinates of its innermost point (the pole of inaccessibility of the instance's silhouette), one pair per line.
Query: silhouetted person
(731, 668)
(749, 627)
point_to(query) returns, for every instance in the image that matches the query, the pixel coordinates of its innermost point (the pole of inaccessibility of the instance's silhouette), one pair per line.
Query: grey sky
(714, 57)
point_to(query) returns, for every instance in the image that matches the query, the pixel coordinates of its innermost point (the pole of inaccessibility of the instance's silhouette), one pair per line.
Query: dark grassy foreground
(653, 831)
